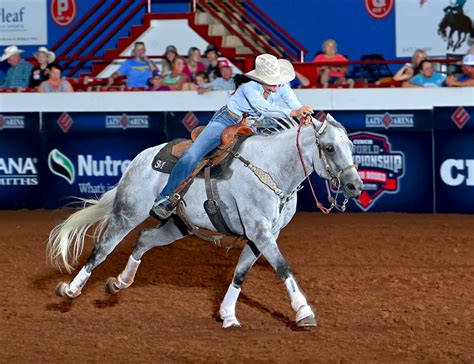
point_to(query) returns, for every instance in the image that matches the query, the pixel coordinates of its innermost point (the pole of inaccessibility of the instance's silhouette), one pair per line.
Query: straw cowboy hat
(10, 51)
(272, 71)
(51, 55)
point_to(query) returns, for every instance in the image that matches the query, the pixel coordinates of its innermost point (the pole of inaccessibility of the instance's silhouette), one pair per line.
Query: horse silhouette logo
(457, 22)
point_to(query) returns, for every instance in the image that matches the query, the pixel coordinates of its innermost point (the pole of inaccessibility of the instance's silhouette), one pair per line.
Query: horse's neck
(278, 155)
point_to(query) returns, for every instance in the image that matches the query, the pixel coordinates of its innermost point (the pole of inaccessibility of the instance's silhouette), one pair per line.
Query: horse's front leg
(266, 243)
(247, 259)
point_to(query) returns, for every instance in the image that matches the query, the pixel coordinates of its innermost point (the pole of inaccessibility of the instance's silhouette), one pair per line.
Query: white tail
(66, 240)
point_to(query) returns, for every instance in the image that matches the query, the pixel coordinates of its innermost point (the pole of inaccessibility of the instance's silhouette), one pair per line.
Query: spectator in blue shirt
(18, 75)
(138, 70)
(427, 77)
(467, 78)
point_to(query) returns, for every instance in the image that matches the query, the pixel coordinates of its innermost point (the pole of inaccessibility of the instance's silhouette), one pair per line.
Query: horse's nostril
(350, 186)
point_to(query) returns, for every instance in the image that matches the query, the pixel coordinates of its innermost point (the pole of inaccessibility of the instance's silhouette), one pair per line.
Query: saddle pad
(164, 161)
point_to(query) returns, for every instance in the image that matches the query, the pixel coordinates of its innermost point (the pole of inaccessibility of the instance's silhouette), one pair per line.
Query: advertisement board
(20, 160)
(23, 22)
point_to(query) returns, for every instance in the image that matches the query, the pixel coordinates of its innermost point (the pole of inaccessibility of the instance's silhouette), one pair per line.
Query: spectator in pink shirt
(331, 74)
(194, 64)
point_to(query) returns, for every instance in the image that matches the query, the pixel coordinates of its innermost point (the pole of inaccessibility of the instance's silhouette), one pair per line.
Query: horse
(251, 208)
(459, 23)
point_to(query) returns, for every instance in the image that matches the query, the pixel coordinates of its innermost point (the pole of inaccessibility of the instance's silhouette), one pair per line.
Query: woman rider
(260, 92)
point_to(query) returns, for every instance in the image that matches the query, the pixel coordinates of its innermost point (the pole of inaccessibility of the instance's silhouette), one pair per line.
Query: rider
(259, 92)
(455, 7)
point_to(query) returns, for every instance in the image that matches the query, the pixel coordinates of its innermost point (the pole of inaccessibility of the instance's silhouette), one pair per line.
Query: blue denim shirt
(282, 101)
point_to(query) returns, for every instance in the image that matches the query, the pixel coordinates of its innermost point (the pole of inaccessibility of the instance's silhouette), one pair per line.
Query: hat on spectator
(271, 71)
(224, 63)
(211, 48)
(171, 48)
(51, 55)
(155, 73)
(10, 51)
(468, 60)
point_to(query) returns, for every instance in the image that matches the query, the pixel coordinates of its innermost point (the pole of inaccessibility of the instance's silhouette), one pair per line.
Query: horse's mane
(273, 125)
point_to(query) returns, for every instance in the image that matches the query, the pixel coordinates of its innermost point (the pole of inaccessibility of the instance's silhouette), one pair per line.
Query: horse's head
(333, 160)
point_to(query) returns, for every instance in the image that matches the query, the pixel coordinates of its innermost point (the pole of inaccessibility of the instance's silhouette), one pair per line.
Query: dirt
(386, 287)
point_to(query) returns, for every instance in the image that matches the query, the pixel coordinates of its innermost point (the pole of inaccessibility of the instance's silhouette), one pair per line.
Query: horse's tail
(66, 240)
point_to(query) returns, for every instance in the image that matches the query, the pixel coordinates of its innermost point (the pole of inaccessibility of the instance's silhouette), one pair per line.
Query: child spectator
(467, 78)
(224, 83)
(427, 77)
(55, 83)
(177, 78)
(170, 54)
(331, 74)
(40, 73)
(411, 69)
(156, 82)
(138, 70)
(201, 79)
(212, 55)
(194, 64)
(18, 75)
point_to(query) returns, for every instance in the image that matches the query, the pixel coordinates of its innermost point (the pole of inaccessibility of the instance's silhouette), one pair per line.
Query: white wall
(320, 99)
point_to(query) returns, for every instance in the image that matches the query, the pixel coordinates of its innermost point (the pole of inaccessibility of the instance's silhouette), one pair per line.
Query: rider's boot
(161, 208)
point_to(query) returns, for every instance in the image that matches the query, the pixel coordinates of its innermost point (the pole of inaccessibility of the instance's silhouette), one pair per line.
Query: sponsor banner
(442, 27)
(399, 120)
(19, 122)
(86, 166)
(20, 171)
(454, 171)
(396, 169)
(180, 124)
(23, 22)
(454, 118)
(129, 122)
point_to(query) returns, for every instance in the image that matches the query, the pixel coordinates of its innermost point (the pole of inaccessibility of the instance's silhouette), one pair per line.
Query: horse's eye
(329, 149)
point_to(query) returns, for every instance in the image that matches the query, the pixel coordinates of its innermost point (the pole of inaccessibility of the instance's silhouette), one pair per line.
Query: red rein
(323, 209)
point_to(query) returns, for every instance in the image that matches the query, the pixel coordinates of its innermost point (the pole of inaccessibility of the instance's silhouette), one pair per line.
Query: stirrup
(161, 210)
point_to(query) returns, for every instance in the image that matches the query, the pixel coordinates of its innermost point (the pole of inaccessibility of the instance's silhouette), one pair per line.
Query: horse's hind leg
(117, 230)
(248, 257)
(160, 235)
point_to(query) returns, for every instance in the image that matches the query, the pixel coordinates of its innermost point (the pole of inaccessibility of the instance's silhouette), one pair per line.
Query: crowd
(213, 72)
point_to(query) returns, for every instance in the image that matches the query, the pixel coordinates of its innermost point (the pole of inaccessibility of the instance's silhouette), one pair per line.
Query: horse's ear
(330, 118)
(320, 116)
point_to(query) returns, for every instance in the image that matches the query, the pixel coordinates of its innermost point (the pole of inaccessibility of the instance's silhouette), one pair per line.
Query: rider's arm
(254, 95)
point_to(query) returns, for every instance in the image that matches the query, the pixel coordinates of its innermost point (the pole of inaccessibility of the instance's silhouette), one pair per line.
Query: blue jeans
(208, 140)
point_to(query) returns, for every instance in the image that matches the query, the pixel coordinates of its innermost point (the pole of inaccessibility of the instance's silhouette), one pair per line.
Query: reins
(335, 177)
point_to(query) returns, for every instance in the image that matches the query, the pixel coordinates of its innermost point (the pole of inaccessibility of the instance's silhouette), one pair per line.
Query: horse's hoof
(309, 321)
(110, 286)
(62, 290)
(231, 323)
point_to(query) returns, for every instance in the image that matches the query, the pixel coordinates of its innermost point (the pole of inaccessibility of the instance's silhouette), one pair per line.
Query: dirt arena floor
(386, 288)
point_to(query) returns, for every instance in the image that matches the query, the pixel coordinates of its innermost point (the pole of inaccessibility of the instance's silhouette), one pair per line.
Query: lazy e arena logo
(380, 167)
(89, 172)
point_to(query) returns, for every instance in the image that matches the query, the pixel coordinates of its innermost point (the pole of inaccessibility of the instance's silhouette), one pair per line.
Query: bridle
(335, 175)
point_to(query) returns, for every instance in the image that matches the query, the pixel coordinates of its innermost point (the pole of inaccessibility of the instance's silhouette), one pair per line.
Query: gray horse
(252, 209)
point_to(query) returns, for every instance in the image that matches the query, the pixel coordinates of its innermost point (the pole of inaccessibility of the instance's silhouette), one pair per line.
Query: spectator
(170, 54)
(156, 82)
(225, 83)
(212, 54)
(411, 69)
(137, 70)
(201, 78)
(55, 83)
(467, 79)
(194, 64)
(18, 75)
(177, 78)
(40, 73)
(299, 81)
(331, 74)
(427, 77)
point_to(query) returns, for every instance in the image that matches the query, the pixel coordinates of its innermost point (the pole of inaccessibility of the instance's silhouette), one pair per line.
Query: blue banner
(20, 160)
(454, 118)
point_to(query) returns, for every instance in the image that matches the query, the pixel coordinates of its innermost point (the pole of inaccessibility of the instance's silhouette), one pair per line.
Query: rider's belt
(234, 115)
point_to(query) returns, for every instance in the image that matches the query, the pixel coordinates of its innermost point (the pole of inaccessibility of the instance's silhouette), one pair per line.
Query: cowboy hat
(10, 51)
(51, 55)
(272, 71)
